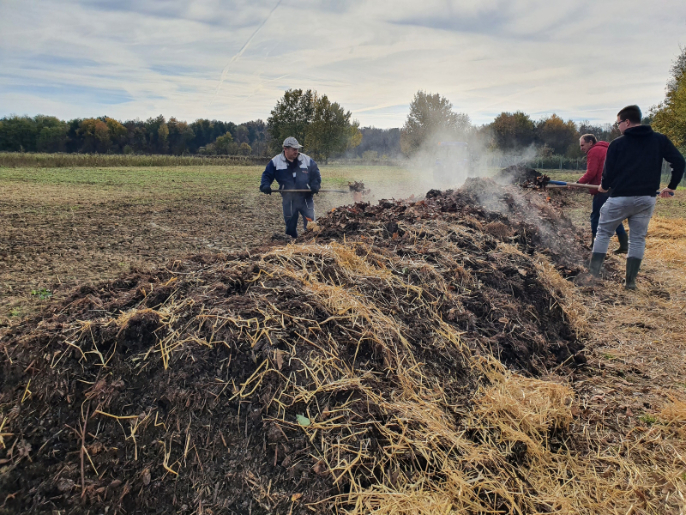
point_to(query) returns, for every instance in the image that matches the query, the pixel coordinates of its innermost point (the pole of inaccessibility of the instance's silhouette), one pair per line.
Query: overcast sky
(232, 60)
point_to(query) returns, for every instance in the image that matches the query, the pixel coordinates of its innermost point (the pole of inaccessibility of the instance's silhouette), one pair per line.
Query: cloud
(142, 58)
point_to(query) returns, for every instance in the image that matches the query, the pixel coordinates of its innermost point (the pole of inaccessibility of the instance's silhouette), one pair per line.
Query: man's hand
(601, 189)
(314, 190)
(666, 193)
(267, 190)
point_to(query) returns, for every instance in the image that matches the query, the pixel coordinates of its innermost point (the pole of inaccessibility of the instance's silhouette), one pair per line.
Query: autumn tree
(669, 117)
(557, 134)
(431, 119)
(117, 132)
(95, 135)
(513, 131)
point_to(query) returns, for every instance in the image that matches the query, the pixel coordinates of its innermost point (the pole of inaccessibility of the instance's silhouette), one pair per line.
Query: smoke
(447, 159)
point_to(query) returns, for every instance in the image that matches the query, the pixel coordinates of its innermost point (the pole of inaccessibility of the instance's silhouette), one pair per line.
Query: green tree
(330, 131)
(225, 145)
(513, 130)
(558, 134)
(180, 135)
(290, 117)
(52, 139)
(18, 134)
(324, 127)
(431, 120)
(669, 117)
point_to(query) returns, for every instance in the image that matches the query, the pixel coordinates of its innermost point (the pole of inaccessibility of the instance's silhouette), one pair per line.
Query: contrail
(243, 49)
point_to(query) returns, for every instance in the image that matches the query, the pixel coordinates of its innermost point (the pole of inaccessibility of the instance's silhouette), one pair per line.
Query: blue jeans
(637, 210)
(598, 201)
(294, 205)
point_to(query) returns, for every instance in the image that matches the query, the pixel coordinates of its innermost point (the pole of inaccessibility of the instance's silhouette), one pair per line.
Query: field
(66, 226)
(491, 419)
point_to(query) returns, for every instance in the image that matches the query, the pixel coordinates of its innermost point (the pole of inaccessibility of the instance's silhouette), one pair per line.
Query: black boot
(632, 267)
(623, 244)
(596, 264)
(592, 242)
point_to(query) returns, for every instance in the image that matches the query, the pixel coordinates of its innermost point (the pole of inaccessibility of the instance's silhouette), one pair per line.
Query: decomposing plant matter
(366, 368)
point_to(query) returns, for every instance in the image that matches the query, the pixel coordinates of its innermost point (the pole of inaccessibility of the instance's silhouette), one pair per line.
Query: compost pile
(366, 367)
(517, 174)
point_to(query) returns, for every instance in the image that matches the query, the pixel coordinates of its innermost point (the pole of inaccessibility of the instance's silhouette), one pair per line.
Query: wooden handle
(310, 191)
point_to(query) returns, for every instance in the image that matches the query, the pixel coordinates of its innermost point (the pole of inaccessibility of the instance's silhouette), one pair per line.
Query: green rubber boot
(596, 264)
(632, 267)
(623, 244)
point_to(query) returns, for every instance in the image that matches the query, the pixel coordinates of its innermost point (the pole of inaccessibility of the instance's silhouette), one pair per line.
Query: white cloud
(583, 60)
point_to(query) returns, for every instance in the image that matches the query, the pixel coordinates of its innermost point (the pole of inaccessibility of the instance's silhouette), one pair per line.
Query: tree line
(153, 136)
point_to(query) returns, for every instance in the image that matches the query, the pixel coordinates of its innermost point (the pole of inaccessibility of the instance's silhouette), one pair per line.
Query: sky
(232, 60)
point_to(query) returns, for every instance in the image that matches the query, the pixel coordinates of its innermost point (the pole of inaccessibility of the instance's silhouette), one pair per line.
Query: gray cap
(291, 142)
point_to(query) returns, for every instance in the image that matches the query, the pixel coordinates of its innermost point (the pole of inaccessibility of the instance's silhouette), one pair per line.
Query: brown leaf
(279, 359)
(146, 477)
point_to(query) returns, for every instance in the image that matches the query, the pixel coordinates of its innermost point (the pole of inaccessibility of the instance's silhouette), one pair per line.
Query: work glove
(315, 189)
(267, 190)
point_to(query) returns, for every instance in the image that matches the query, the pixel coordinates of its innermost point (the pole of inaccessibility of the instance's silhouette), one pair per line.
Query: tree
(513, 131)
(18, 134)
(180, 134)
(225, 145)
(52, 139)
(323, 126)
(558, 134)
(291, 117)
(95, 135)
(118, 133)
(431, 120)
(330, 131)
(669, 117)
(382, 141)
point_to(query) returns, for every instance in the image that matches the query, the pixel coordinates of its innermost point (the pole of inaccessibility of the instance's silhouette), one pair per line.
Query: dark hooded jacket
(633, 164)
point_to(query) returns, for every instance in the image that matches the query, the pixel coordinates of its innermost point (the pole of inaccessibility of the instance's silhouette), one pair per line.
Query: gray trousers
(637, 210)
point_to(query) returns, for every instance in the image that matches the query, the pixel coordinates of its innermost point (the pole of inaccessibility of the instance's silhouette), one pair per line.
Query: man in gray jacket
(632, 172)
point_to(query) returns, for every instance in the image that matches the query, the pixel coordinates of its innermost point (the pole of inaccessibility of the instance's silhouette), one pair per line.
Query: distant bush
(35, 160)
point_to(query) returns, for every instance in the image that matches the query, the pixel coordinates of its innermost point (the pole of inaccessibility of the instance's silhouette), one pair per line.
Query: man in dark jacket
(595, 160)
(293, 171)
(633, 167)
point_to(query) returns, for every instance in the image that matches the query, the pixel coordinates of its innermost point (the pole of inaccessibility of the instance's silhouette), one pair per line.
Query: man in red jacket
(595, 160)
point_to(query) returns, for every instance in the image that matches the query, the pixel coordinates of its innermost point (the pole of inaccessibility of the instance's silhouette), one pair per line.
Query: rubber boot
(632, 267)
(592, 242)
(623, 244)
(596, 264)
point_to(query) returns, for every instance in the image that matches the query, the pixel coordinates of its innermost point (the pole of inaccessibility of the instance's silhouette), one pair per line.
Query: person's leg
(612, 213)
(638, 228)
(638, 225)
(307, 211)
(598, 201)
(290, 216)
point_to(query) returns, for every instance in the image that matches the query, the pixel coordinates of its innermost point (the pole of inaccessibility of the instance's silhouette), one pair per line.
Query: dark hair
(590, 138)
(631, 113)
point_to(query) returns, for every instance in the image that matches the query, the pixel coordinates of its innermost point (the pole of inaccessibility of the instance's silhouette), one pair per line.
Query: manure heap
(386, 360)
